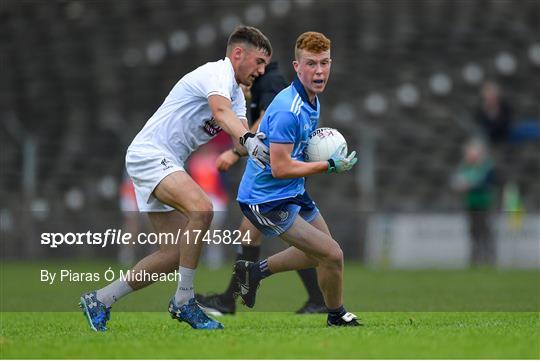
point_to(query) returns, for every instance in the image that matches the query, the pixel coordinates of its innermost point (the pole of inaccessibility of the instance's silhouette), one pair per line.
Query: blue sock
(261, 270)
(337, 312)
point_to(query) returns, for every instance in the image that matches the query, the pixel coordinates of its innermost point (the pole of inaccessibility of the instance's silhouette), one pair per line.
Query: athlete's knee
(334, 257)
(201, 210)
(315, 262)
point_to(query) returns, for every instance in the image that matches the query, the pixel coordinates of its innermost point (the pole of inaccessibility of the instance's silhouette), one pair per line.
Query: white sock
(113, 292)
(184, 292)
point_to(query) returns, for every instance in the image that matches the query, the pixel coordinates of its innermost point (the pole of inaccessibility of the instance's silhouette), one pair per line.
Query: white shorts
(147, 169)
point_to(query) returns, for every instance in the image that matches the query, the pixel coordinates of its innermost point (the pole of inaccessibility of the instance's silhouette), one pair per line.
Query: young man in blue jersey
(274, 198)
(261, 94)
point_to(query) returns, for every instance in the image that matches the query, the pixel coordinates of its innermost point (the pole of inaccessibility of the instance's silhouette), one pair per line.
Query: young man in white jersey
(274, 198)
(200, 105)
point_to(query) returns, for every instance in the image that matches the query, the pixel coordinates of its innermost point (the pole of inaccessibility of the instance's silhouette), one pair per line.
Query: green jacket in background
(481, 179)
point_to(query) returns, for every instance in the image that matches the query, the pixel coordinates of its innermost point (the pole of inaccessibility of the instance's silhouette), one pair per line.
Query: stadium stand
(79, 79)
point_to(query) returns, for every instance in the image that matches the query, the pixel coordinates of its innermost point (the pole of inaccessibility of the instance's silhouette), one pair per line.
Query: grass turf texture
(510, 328)
(275, 335)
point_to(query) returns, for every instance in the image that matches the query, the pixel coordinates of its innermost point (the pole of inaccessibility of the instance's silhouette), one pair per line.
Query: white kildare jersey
(184, 121)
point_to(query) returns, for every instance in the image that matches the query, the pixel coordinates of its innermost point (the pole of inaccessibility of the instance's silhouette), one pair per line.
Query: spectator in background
(494, 114)
(475, 179)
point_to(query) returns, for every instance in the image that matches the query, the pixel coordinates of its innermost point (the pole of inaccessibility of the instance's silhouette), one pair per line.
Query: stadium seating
(81, 78)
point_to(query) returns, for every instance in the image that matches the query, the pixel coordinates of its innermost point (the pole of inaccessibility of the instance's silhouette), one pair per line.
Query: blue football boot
(95, 311)
(193, 315)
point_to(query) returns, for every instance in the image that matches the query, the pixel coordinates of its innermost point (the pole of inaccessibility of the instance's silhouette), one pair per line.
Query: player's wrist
(331, 166)
(243, 139)
(236, 152)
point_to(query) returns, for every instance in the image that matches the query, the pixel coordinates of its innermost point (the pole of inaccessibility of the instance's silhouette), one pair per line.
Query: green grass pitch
(453, 314)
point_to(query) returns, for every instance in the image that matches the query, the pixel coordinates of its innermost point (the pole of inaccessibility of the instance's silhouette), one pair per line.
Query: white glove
(255, 147)
(340, 162)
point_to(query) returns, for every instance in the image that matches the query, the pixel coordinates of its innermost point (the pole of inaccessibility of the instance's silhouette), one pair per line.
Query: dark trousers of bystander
(483, 251)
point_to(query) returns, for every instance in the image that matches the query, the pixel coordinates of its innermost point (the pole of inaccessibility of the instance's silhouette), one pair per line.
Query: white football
(322, 143)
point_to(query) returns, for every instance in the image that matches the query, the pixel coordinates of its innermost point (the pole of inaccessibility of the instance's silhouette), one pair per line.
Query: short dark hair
(251, 36)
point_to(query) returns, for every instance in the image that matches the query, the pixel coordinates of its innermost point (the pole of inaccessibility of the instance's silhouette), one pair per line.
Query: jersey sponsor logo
(211, 127)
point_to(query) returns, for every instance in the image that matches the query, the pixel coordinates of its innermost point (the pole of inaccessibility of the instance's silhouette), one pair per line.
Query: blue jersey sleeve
(282, 128)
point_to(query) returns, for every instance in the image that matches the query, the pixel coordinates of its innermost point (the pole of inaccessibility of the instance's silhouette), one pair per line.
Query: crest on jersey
(211, 127)
(283, 215)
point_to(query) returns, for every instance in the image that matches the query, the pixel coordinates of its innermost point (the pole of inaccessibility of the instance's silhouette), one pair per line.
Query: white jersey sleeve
(184, 121)
(218, 84)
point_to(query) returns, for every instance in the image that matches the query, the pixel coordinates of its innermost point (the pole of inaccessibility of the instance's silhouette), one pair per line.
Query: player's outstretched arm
(221, 108)
(229, 122)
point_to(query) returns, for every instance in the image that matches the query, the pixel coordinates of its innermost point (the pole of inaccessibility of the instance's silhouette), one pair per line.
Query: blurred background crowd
(440, 98)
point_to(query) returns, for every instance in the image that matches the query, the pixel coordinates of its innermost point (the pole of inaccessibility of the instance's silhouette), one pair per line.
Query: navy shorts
(274, 218)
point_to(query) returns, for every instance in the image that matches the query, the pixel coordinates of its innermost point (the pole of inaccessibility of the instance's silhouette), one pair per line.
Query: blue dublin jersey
(289, 119)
